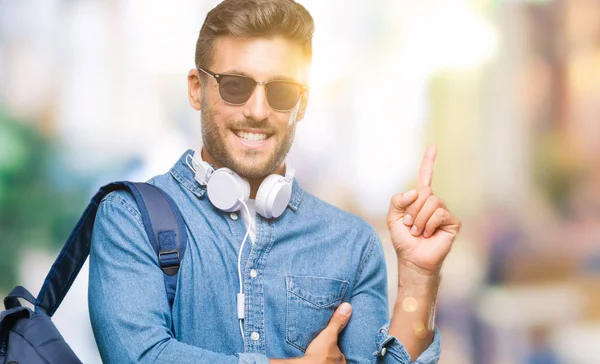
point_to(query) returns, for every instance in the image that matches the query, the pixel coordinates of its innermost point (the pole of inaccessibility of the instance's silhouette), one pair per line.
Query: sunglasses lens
(236, 90)
(283, 95)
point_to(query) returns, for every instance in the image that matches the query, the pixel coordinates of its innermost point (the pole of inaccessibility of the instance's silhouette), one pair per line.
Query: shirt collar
(185, 176)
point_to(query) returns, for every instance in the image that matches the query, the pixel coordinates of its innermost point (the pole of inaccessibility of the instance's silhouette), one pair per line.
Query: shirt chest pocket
(310, 303)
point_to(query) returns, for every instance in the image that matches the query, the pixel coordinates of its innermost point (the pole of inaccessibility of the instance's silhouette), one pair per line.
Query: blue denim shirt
(300, 268)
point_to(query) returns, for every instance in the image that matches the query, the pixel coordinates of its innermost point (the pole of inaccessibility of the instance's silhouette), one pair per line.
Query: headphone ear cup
(225, 188)
(273, 196)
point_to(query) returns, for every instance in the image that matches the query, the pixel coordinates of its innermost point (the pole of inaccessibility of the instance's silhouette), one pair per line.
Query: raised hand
(421, 227)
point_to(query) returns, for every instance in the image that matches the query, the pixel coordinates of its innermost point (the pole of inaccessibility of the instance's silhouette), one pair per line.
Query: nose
(256, 107)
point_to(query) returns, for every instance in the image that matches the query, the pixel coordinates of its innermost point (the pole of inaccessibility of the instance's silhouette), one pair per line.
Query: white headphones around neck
(226, 189)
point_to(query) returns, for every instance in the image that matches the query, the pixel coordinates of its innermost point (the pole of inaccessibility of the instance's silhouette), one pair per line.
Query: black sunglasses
(236, 90)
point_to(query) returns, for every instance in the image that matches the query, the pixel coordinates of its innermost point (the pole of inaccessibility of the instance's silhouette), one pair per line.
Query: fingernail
(414, 230)
(345, 309)
(407, 219)
(411, 192)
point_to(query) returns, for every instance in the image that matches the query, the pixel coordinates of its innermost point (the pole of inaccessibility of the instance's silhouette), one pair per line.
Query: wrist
(416, 281)
(417, 276)
(409, 267)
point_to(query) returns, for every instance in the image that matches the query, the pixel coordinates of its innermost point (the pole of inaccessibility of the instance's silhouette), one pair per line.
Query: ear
(303, 105)
(195, 89)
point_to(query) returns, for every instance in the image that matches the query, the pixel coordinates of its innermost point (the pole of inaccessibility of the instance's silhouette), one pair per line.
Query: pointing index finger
(426, 170)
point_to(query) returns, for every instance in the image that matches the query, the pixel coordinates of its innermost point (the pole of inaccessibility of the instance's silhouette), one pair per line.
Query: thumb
(340, 317)
(401, 201)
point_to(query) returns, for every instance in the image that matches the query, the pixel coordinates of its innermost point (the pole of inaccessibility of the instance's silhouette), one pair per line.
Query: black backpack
(29, 336)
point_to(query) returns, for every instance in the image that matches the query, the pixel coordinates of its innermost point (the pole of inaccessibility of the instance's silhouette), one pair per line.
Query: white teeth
(251, 137)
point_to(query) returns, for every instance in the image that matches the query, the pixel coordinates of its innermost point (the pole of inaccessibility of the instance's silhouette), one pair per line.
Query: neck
(254, 182)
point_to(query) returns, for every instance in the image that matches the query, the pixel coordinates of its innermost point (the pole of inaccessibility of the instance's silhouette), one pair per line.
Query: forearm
(122, 336)
(413, 319)
(173, 351)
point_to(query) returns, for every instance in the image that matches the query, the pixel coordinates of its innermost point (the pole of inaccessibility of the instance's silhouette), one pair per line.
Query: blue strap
(162, 221)
(166, 230)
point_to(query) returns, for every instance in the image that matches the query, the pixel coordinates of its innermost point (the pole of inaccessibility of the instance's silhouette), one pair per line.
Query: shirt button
(255, 336)
(383, 351)
(233, 216)
(253, 273)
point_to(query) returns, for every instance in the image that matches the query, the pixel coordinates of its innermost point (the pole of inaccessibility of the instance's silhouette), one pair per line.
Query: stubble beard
(247, 166)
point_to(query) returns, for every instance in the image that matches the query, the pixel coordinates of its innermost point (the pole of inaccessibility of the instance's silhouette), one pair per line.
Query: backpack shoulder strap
(166, 231)
(163, 224)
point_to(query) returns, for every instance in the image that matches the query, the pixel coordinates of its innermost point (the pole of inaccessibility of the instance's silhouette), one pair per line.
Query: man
(309, 265)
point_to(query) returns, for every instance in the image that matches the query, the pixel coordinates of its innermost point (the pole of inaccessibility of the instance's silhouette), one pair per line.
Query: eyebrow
(273, 78)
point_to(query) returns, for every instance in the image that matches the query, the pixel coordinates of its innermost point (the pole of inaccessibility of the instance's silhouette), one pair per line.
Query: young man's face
(252, 139)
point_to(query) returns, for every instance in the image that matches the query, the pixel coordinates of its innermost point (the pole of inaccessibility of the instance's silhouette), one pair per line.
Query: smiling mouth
(249, 137)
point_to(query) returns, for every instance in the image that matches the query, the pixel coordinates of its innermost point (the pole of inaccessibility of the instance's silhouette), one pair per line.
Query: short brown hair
(255, 18)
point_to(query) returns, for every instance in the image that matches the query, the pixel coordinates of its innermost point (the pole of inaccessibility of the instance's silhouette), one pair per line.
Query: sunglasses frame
(219, 77)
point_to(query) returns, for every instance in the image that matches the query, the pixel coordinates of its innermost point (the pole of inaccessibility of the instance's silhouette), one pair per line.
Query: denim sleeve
(129, 312)
(390, 350)
(365, 339)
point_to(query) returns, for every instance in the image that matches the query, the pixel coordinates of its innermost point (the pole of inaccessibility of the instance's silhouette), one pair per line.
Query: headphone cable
(241, 297)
